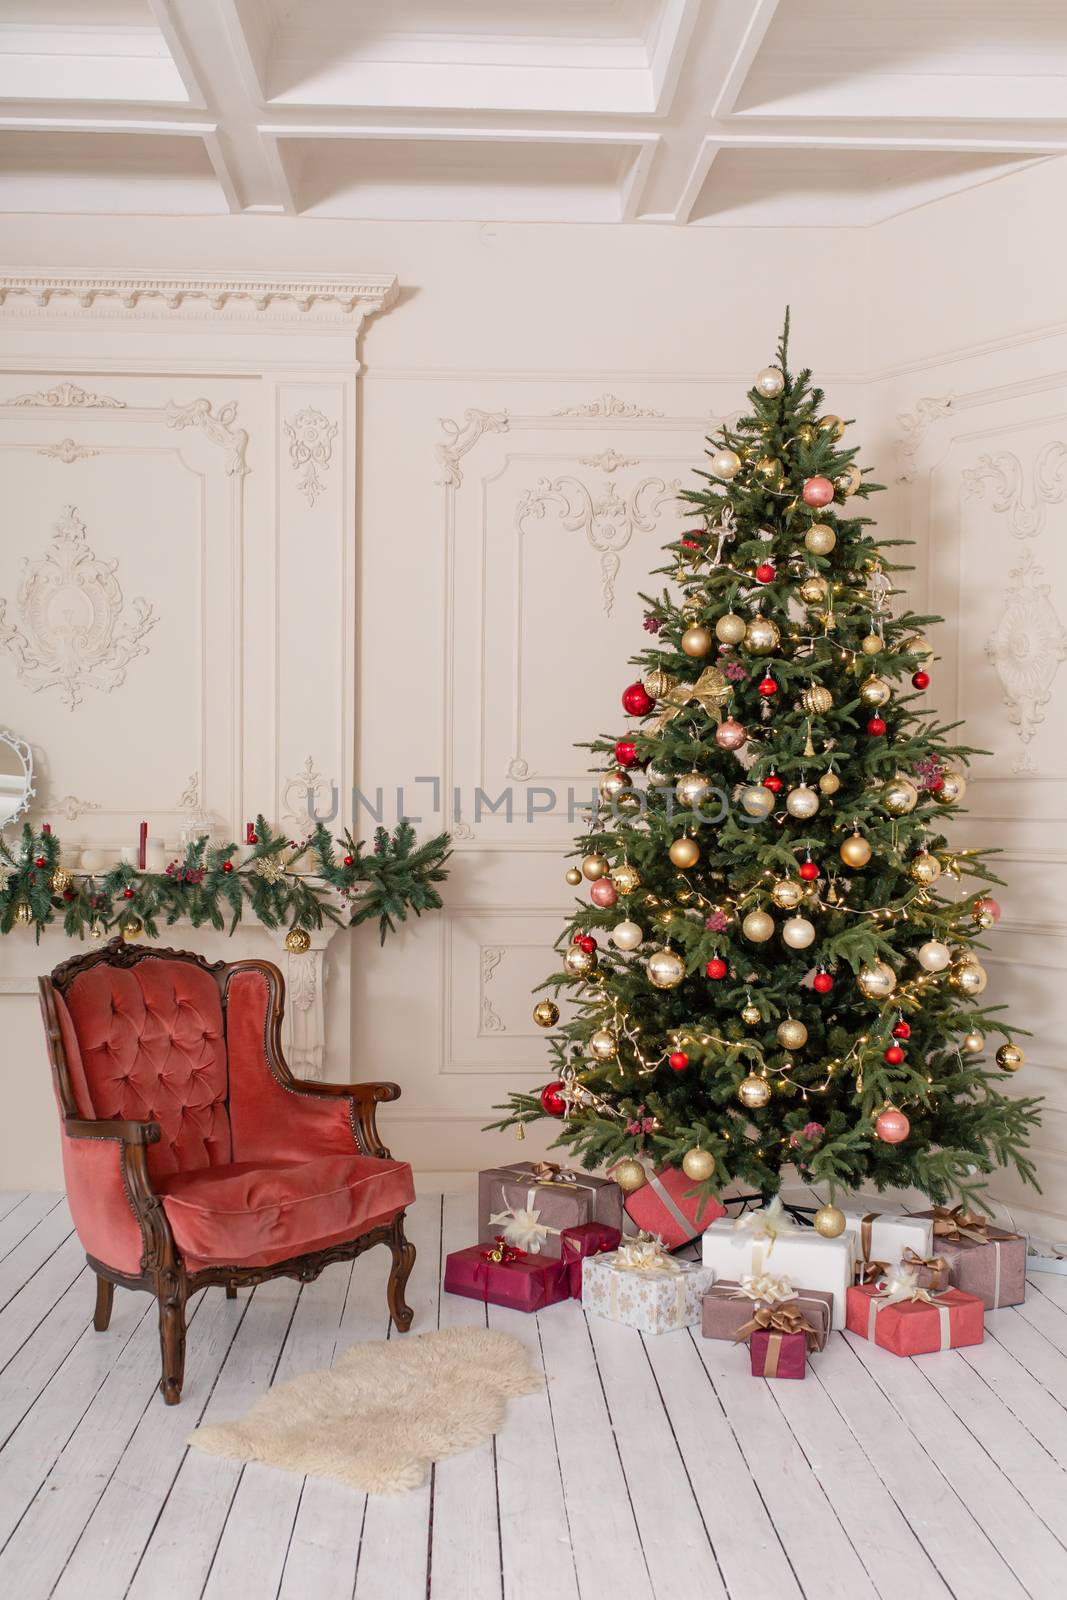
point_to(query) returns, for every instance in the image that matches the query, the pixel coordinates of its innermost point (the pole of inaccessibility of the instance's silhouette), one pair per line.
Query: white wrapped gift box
(800, 1254)
(888, 1235)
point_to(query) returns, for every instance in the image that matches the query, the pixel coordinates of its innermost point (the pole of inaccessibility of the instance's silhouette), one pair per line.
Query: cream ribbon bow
(524, 1229)
(645, 1253)
(767, 1223)
(903, 1284)
(764, 1287)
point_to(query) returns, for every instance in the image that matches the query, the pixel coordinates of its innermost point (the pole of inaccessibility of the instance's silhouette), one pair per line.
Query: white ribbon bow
(903, 1284)
(523, 1229)
(766, 1287)
(767, 1223)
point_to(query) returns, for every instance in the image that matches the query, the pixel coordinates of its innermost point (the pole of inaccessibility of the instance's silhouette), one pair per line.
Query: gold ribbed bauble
(933, 956)
(698, 1165)
(758, 926)
(692, 788)
(877, 981)
(770, 383)
(666, 969)
(812, 591)
(594, 866)
(969, 978)
(751, 1014)
(802, 802)
(612, 783)
(23, 914)
(787, 894)
(730, 628)
(871, 644)
(855, 851)
(820, 539)
(829, 783)
(573, 875)
(762, 636)
(60, 880)
(546, 1013)
(849, 480)
(798, 933)
(831, 425)
(697, 640)
(974, 1042)
(753, 1092)
(625, 878)
(791, 1034)
(829, 1221)
(658, 683)
(816, 700)
(684, 852)
(925, 869)
(578, 962)
(874, 691)
(629, 1175)
(298, 941)
(952, 789)
(756, 800)
(770, 470)
(1010, 1058)
(603, 1045)
(900, 796)
(725, 464)
(626, 935)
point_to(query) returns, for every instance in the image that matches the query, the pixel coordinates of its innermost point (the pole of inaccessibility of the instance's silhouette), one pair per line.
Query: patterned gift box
(666, 1206)
(880, 1238)
(531, 1204)
(912, 1321)
(727, 1308)
(768, 1241)
(778, 1355)
(643, 1286)
(987, 1262)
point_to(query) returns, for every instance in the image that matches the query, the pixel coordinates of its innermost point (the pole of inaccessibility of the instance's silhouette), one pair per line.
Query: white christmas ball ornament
(934, 956)
(802, 801)
(725, 464)
(757, 801)
(626, 935)
(770, 382)
(798, 933)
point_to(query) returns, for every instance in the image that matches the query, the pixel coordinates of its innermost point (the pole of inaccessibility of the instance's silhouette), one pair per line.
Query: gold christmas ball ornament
(816, 700)
(802, 802)
(594, 866)
(770, 382)
(969, 978)
(933, 956)
(1010, 1058)
(730, 628)
(684, 853)
(658, 777)
(578, 962)
(60, 880)
(297, 941)
(629, 1175)
(798, 933)
(900, 796)
(612, 783)
(751, 1014)
(698, 1165)
(573, 875)
(658, 683)
(762, 636)
(546, 1013)
(917, 645)
(925, 869)
(787, 895)
(952, 789)
(758, 927)
(849, 480)
(625, 878)
(725, 464)
(820, 539)
(603, 1045)
(877, 981)
(626, 935)
(855, 851)
(871, 644)
(666, 969)
(829, 1221)
(874, 691)
(23, 914)
(770, 470)
(692, 788)
(697, 640)
(754, 1092)
(756, 800)
(791, 1034)
(835, 428)
(974, 1042)
(829, 783)
(132, 929)
(812, 591)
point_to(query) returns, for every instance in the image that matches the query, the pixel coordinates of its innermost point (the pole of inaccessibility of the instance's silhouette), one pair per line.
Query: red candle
(142, 846)
(46, 827)
(250, 833)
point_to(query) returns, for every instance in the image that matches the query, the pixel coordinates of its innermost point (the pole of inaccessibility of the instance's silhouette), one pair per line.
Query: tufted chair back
(148, 1043)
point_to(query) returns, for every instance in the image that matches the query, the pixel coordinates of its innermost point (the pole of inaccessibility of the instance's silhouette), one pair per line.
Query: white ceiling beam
(749, 36)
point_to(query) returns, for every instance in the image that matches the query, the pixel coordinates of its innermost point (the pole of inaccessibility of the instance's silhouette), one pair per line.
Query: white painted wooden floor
(645, 1468)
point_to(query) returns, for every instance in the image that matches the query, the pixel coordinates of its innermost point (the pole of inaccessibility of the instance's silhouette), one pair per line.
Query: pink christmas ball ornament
(603, 893)
(817, 492)
(892, 1126)
(989, 906)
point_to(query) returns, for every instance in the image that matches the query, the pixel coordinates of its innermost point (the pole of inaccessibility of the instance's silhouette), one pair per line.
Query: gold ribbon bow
(767, 1223)
(711, 691)
(644, 1253)
(779, 1319)
(871, 1271)
(764, 1287)
(959, 1224)
(549, 1173)
(935, 1264)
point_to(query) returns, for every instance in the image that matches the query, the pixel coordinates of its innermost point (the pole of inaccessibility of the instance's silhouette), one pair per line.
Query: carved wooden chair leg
(231, 1291)
(403, 1261)
(105, 1295)
(172, 1292)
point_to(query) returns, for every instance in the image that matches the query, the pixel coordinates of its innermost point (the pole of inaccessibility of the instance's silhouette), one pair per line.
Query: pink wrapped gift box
(985, 1261)
(915, 1327)
(666, 1207)
(778, 1355)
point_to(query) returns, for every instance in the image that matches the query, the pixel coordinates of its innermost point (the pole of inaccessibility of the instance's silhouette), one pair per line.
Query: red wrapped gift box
(778, 1355)
(503, 1276)
(914, 1327)
(666, 1207)
(587, 1239)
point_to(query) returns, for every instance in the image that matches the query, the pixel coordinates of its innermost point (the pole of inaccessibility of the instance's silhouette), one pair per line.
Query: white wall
(529, 378)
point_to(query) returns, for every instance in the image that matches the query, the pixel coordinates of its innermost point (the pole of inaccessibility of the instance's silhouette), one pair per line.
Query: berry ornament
(637, 701)
(716, 967)
(817, 492)
(892, 1127)
(876, 727)
(894, 1055)
(552, 1101)
(626, 753)
(678, 1060)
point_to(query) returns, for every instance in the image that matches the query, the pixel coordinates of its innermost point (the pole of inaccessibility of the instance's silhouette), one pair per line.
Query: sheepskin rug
(379, 1417)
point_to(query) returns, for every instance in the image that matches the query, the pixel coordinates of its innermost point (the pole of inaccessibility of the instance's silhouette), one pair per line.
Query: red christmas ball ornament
(637, 701)
(626, 753)
(350, 861)
(127, 894)
(578, 937)
(716, 967)
(773, 782)
(902, 1029)
(678, 1060)
(603, 893)
(551, 1099)
(822, 983)
(892, 1126)
(809, 871)
(767, 687)
(765, 572)
(920, 680)
(876, 727)
(817, 492)
(587, 943)
(894, 1055)
(253, 838)
(41, 861)
(227, 866)
(691, 544)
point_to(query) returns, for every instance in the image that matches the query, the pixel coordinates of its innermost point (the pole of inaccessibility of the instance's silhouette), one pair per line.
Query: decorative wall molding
(1006, 478)
(189, 799)
(609, 460)
(307, 784)
(461, 437)
(67, 451)
(68, 397)
(71, 807)
(491, 1021)
(607, 405)
(311, 436)
(71, 607)
(1026, 649)
(349, 301)
(216, 425)
(913, 426)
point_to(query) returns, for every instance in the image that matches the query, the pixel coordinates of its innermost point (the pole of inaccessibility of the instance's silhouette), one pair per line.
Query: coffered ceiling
(693, 112)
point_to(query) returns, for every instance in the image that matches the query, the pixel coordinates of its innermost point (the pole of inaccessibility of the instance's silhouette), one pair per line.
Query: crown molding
(183, 297)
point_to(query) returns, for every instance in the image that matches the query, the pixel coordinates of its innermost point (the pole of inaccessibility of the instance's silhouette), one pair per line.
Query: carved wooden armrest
(136, 1133)
(363, 1098)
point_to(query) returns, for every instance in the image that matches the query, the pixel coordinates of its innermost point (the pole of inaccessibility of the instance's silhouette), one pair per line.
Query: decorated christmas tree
(778, 961)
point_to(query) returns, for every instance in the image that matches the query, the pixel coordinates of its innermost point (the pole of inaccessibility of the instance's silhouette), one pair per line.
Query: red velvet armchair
(192, 1155)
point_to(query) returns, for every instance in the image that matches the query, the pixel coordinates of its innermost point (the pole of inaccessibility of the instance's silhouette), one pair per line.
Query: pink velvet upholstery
(103, 1217)
(254, 1213)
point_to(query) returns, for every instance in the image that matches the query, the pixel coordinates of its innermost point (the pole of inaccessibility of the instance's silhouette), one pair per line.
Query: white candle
(155, 855)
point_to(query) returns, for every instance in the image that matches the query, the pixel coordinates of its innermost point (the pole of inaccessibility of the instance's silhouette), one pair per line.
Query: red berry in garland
(765, 572)
(902, 1029)
(894, 1055)
(678, 1060)
(920, 680)
(876, 727)
(637, 701)
(822, 983)
(809, 871)
(551, 1100)
(626, 753)
(716, 967)
(767, 687)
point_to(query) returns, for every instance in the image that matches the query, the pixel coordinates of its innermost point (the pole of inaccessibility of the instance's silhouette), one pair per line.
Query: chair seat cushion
(252, 1214)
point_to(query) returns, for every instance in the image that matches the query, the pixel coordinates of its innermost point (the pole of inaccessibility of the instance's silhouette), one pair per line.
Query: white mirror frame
(25, 755)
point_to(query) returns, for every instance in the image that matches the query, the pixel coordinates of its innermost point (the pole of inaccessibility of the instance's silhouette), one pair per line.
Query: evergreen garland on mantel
(210, 883)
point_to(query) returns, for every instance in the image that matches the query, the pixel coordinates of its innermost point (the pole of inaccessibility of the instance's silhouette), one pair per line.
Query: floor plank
(23, 1214)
